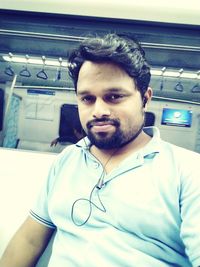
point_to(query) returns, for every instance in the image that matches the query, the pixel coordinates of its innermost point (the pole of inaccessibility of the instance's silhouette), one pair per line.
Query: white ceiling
(172, 11)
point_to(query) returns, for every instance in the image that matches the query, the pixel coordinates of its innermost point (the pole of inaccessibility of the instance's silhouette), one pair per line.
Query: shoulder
(66, 159)
(180, 154)
(71, 152)
(186, 162)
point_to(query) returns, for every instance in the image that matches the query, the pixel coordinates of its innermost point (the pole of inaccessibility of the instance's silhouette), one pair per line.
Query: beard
(119, 138)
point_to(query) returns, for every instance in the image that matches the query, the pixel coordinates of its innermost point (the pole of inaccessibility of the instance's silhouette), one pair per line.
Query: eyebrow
(109, 90)
(84, 92)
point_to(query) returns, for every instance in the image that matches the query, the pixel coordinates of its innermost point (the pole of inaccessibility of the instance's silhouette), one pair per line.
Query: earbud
(144, 101)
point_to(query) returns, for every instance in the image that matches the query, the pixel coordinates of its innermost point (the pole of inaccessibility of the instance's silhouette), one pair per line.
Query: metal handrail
(79, 38)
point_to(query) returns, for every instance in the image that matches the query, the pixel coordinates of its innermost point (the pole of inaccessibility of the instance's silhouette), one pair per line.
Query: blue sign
(40, 92)
(177, 117)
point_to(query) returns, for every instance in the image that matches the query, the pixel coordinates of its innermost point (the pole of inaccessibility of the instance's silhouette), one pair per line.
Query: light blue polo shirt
(147, 214)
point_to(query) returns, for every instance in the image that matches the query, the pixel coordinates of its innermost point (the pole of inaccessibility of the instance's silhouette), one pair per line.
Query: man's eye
(114, 97)
(88, 99)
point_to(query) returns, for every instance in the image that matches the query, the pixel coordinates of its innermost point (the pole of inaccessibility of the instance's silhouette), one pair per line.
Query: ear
(147, 97)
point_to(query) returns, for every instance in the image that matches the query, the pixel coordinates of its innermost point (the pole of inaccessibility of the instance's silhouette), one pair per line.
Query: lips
(102, 125)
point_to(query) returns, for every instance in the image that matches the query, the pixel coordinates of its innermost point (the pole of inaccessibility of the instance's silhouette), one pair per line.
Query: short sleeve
(190, 207)
(40, 209)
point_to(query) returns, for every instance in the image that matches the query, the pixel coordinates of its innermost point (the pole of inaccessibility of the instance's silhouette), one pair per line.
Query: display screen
(177, 117)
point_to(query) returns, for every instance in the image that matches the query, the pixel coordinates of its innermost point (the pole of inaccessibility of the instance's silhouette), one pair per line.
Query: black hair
(120, 49)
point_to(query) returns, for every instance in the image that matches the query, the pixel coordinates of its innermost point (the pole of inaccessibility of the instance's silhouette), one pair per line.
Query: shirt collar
(84, 143)
(154, 145)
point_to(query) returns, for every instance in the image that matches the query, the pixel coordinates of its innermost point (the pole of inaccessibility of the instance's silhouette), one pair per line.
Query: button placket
(96, 165)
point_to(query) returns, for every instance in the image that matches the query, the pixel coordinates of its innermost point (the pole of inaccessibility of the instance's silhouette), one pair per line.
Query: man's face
(110, 107)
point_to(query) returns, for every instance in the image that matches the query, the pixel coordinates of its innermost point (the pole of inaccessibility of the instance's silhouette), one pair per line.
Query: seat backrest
(20, 182)
(149, 119)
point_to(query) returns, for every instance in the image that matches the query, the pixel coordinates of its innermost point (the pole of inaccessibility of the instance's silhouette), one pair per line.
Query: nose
(101, 109)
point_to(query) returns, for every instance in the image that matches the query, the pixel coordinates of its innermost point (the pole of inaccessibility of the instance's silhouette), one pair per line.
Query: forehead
(105, 69)
(104, 75)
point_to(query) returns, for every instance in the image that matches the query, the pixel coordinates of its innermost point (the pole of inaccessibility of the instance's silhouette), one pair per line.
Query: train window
(70, 129)
(1, 108)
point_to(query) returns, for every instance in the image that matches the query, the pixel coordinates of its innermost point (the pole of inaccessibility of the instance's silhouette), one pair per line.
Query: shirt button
(96, 165)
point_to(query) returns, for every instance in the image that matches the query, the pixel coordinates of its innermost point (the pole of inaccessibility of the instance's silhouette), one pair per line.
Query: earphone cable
(91, 203)
(89, 200)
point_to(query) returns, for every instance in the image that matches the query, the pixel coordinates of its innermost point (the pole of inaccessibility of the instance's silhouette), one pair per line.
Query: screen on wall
(176, 117)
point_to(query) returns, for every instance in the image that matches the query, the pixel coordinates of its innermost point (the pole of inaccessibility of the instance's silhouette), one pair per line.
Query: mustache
(94, 122)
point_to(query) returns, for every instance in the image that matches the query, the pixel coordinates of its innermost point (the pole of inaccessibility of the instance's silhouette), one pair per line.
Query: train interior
(38, 101)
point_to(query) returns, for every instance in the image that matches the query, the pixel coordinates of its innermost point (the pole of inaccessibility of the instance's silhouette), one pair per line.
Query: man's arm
(27, 245)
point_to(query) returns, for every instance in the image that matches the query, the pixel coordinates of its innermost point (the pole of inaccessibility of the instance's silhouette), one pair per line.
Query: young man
(121, 196)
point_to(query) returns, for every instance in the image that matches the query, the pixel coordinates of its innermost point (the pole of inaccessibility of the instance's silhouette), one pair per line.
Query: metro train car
(37, 97)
